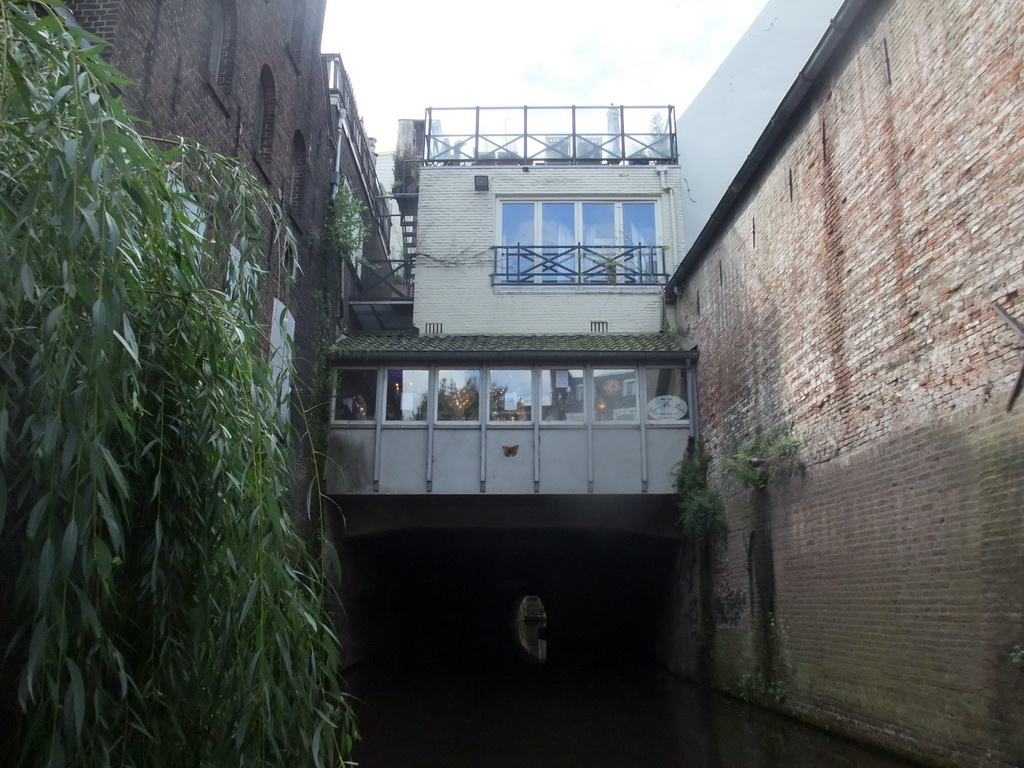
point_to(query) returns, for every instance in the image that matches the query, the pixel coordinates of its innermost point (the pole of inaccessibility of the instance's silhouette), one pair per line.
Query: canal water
(462, 708)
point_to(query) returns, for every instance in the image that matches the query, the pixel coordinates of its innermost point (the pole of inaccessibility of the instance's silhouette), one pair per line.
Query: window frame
(385, 372)
(579, 276)
(436, 389)
(488, 375)
(220, 66)
(614, 376)
(638, 373)
(371, 422)
(265, 117)
(686, 384)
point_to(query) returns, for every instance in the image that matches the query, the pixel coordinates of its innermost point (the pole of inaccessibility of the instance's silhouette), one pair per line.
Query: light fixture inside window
(481, 183)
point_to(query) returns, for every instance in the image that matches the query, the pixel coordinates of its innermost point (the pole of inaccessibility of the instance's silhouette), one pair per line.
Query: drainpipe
(339, 133)
(335, 186)
(663, 173)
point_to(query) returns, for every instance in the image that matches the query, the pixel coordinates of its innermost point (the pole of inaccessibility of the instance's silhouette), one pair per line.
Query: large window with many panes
(580, 242)
(500, 396)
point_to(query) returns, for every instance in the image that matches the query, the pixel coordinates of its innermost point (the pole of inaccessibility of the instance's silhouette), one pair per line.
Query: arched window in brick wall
(298, 177)
(266, 108)
(298, 29)
(223, 34)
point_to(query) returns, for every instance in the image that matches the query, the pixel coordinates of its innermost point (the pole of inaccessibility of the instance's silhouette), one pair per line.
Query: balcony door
(588, 242)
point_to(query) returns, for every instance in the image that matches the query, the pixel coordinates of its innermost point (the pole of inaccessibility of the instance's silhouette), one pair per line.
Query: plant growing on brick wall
(701, 510)
(157, 607)
(344, 228)
(754, 686)
(1017, 656)
(768, 457)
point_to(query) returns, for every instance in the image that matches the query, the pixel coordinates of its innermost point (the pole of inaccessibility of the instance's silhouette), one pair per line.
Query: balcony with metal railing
(581, 265)
(615, 135)
(383, 296)
(361, 146)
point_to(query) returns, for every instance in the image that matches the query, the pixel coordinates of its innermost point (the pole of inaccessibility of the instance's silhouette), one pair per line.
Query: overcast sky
(404, 57)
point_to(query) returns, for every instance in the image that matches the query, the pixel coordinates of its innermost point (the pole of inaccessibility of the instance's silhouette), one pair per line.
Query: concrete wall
(720, 126)
(851, 300)
(458, 228)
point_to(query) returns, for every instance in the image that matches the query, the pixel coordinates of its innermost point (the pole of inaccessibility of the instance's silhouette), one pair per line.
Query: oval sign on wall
(666, 408)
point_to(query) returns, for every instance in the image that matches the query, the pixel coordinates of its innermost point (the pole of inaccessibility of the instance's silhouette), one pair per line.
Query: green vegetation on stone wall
(771, 455)
(157, 607)
(345, 229)
(1017, 656)
(701, 510)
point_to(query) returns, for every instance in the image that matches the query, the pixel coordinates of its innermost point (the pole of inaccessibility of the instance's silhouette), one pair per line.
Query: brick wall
(850, 299)
(165, 47)
(458, 228)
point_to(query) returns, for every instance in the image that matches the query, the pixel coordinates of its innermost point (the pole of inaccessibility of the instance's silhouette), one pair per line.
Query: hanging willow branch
(156, 605)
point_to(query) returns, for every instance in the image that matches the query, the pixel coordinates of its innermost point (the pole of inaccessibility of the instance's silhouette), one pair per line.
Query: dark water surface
(459, 710)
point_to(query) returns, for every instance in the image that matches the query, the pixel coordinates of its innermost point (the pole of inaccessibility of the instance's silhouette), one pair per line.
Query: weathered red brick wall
(165, 47)
(851, 300)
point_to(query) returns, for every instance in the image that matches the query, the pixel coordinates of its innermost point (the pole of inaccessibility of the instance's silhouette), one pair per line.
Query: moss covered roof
(596, 346)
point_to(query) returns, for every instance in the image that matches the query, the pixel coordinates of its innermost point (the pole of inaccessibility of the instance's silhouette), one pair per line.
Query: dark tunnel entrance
(456, 594)
(446, 682)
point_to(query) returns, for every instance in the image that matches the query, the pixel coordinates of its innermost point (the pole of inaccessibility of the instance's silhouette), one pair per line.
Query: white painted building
(545, 248)
(540, 362)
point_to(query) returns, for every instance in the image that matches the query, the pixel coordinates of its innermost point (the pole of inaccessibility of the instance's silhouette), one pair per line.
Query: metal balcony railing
(391, 280)
(546, 265)
(534, 135)
(343, 103)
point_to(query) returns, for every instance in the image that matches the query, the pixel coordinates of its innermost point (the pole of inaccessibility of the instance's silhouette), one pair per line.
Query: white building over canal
(539, 362)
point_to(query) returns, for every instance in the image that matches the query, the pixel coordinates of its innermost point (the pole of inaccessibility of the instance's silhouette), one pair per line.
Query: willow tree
(157, 608)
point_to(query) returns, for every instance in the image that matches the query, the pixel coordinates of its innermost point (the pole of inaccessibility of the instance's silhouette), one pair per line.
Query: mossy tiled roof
(596, 346)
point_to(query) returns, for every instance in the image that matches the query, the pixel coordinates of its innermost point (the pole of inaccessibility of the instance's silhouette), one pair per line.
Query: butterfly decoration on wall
(510, 450)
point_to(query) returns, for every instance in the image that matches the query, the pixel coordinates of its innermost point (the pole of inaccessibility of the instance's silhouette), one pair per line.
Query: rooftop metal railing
(615, 135)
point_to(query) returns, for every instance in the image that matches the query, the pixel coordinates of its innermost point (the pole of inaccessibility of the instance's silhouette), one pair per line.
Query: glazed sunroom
(554, 414)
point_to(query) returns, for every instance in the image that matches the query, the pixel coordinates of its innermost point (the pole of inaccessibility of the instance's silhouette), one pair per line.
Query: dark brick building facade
(849, 295)
(247, 79)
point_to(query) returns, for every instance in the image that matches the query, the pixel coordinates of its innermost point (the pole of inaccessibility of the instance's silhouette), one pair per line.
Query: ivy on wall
(701, 509)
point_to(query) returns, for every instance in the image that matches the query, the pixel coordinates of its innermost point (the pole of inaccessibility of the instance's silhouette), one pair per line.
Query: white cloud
(411, 56)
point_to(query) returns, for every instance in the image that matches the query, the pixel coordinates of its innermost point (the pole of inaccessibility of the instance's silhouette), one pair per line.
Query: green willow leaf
(68, 548)
(28, 283)
(45, 572)
(76, 690)
(161, 602)
(100, 325)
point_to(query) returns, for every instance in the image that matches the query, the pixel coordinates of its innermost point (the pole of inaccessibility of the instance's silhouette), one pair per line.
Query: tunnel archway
(445, 594)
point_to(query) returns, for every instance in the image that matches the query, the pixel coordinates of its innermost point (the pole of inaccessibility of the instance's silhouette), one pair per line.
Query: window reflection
(517, 229)
(561, 392)
(458, 395)
(599, 237)
(406, 395)
(615, 395)
(558, 234)
(638, 231)
(666, 394)
(356, 396)
(510, 395)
